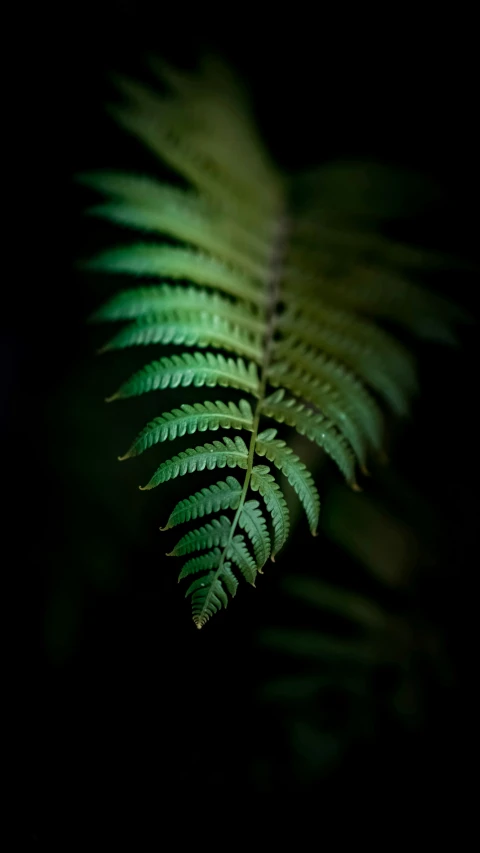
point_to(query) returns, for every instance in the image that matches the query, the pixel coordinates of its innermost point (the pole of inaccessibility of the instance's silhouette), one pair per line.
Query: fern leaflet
(222, 495)
(190, 419)
(196, 369)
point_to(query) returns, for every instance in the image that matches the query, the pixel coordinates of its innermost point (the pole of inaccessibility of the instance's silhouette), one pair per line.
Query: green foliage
(254, 524)
(222, 495)
(215, 455)
(295, 471)
(189, 419)
(216, 533)
(249, 251)
(196, 369)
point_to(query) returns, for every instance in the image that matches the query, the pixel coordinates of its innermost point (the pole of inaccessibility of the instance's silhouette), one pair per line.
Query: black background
(127, 716)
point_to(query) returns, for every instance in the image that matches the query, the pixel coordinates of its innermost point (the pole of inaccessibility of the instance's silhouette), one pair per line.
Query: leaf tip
(115, 396)
(355, 487)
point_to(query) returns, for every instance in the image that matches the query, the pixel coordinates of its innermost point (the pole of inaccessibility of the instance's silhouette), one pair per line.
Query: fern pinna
(269, 295)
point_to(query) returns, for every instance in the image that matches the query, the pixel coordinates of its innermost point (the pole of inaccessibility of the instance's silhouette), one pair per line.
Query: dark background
(127, 715)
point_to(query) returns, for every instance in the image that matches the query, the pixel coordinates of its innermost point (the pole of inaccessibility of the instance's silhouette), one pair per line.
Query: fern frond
(222, 495)
(295, 471)
(247, 260)
(262, 481)
(192, 418)
(159, 261)
(252, 521)
(189, 329)
(196, 368)
(214, 533)
(210, 456)
(315, 427)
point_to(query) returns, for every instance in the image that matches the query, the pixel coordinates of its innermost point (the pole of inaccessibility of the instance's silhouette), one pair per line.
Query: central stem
(273, 285)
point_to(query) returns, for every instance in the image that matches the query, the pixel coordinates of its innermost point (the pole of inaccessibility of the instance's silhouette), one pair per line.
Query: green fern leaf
(251, 261)
(228, 578)
(239, 553)
(222, 495)
(395, 359)
(172, 208)
(196, 369)
(382, 293)
(210, 456)
(357, 355)
(143, 117)
(211, 534)
(236, 135)
(201, 564)
(315, 427)
(184, 216)
(149, 301)
(354, 397)
(187, 328)
(190, 419)
(325, 401)
(263, 482)
(159, 261)
(208, 594)
(252, 521)
(295, 471)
